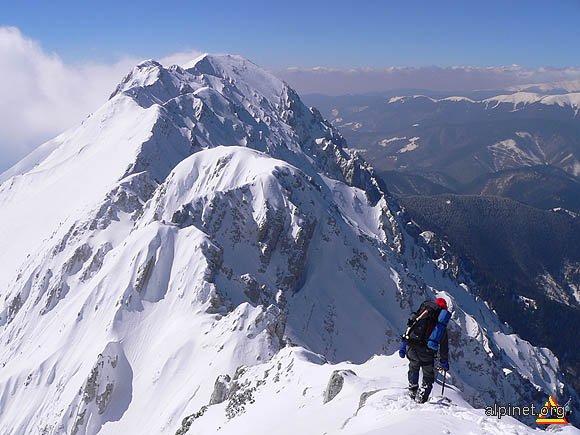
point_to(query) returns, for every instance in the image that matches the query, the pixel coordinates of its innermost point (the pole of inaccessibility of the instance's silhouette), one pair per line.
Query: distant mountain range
(442, 143)
(561, 87)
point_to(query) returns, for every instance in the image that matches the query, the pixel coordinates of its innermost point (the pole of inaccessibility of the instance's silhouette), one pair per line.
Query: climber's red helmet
(441, 302)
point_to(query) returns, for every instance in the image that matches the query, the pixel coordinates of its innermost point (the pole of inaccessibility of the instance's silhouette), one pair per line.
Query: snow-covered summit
(216, 71)
(249, 77)
(192, 230)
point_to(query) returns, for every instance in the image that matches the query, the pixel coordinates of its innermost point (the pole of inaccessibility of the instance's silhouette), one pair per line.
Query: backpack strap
(412, 324)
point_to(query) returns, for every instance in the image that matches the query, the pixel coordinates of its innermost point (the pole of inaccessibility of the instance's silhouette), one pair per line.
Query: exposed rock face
(188, 421)
(335, 384)
(237, 393)
(96, 262)
(110, 377)
(221, 390)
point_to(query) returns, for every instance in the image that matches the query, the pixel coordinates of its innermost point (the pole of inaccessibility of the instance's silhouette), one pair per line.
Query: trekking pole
(444, 379)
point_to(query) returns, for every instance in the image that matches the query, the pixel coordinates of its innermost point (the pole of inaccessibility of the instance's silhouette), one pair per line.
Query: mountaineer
(425, 335)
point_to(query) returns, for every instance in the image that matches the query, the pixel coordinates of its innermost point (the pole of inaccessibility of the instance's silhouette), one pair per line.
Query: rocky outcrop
(144, 274)
(221, 390)
(335, 384)
(128, 197)
(188, 421)
(96, 262)
(110, 377)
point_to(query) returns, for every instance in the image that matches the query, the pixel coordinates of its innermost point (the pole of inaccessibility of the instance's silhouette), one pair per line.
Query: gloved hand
(444, 365)
(403, 349)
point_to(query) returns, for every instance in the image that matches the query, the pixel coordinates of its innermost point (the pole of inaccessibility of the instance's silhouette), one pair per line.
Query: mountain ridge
(185, 262)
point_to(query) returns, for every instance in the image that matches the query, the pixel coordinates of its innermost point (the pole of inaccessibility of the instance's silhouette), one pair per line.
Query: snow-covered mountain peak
(223, 73)
(228, 100)
(242, 72)
(188, 234)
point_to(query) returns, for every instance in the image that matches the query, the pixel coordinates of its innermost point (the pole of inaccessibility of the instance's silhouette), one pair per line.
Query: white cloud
(41, 95)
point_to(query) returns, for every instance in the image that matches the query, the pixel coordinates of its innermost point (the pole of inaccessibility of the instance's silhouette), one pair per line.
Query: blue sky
(301, 33)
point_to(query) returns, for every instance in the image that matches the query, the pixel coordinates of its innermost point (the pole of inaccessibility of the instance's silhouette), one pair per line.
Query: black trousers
(421, 358)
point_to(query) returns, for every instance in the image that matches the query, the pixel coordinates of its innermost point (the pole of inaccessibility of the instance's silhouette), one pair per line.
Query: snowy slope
(371, 400)
(44, 180)
(203, 220)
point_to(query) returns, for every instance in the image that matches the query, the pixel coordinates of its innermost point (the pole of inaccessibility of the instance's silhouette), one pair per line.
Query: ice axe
(444, 379)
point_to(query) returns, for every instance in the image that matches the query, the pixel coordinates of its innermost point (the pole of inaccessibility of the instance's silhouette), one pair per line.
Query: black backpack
(421, 323)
